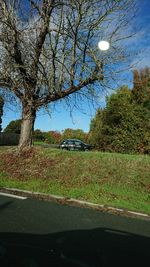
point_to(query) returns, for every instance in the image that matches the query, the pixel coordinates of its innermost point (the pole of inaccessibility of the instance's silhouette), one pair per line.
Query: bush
(123, 126)
(38, 135)
(52, 137)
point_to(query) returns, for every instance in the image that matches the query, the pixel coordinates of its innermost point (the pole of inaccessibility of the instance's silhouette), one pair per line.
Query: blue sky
(60, 118)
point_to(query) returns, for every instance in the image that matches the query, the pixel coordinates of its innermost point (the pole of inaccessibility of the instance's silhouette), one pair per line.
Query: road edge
(75, 202)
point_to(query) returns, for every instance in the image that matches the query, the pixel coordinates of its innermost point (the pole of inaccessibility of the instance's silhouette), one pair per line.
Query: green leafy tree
(52, 137)
(38, 135)
(1, 111)
(141, 87)
(94, 135)
(74, 134)
(13, 127)
(123, 126)
(67, 133)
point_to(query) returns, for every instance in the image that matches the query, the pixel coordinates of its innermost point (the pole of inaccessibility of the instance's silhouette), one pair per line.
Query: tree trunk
(27, 126)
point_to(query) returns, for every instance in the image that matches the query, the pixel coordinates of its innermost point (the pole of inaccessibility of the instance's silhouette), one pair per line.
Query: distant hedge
(9, 139)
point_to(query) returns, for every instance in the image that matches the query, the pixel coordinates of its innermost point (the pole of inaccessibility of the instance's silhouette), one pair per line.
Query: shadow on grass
(85, 248)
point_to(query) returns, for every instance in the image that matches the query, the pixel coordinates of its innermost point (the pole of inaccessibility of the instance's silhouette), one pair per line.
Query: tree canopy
(13, 127)
(141, 87)
(74, 134)
(124, 125)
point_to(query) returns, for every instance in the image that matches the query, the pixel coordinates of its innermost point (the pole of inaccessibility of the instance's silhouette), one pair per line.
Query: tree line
(49, 137)
(124, 124)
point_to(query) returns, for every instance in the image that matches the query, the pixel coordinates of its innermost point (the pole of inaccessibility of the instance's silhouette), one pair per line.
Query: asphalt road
(40, 233)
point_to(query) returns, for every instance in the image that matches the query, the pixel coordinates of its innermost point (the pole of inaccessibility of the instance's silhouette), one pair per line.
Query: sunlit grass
(105, 178)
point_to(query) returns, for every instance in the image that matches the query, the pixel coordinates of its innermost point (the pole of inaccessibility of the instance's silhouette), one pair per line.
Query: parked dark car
(74, 144)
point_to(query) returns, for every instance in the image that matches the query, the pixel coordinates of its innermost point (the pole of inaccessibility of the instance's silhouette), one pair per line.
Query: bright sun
(103, 45)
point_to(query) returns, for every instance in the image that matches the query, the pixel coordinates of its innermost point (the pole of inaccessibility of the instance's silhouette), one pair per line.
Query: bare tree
(48, 49)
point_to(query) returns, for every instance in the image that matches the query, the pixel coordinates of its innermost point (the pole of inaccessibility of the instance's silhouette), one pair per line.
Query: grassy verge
(112, 179)
(39, 143)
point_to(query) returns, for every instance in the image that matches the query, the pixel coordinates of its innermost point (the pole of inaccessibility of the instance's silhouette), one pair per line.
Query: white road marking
(11, 195)
(138, 213)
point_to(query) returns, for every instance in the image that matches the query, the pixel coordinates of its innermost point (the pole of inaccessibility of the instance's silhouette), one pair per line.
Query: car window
(70, 142)
(78, 143)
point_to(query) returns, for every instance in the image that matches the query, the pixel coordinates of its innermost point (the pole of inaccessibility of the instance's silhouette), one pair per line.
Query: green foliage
(95, 129)
(1, 111)
(54, 137)
(123, 126)
(50, 137)
(141, 87)
(38, 135)
(13, 127)
(77, 134)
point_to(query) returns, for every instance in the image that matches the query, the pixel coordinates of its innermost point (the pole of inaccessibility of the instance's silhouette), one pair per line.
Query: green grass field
(118, 180)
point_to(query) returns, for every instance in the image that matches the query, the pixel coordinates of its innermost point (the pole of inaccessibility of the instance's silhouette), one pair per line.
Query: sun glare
(103, 45)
